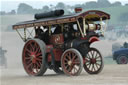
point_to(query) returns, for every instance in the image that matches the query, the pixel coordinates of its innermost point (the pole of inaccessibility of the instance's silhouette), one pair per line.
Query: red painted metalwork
(78, 9)
(48, 48)
(93, 39)
(32, 57)
(83, 38)
(57, 39)
(57, 54)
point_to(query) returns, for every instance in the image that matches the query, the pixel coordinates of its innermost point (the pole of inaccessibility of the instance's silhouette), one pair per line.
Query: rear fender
(93, 39)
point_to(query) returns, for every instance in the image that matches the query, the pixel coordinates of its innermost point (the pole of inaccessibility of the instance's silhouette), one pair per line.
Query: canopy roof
(92, 15)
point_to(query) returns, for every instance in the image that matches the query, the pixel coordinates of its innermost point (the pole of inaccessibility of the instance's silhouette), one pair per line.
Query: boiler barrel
(49, 14)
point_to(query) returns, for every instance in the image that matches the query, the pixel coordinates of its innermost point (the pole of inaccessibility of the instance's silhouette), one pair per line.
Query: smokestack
(49, 14)
(78, 9)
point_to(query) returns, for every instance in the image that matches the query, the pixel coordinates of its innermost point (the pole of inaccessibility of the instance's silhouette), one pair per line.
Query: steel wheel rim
(93, 62)
(32, 57)
(71, 63)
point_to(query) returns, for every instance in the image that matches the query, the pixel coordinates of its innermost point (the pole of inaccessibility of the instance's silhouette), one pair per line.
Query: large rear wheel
(72, 62)
(33, 57)
(93, 61)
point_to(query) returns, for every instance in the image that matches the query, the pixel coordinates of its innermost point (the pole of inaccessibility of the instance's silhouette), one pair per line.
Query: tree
(2, 12)
(45, 8)
(12, 12)
(126, 4)
(91, 4)
(103, 3)
(60, 5)
(24, 9)
(117, 3)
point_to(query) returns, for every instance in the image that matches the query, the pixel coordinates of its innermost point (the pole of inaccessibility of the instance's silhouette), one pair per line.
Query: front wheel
(33, 57)
(72, 62)
(93, 61)
(122, 59)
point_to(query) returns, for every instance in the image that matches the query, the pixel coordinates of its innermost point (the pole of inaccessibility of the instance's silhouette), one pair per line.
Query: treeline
(27, 9)
(8, 13)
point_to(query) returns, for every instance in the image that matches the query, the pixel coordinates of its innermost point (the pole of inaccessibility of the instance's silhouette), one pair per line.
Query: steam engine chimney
(78, 9)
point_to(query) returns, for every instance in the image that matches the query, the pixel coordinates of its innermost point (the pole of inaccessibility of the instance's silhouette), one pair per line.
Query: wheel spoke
(89, 66)
(27, 58)
(92, 68)
(38, 65)
(73, 58)
(31, 47)
(29, 65)
(29, 54)
(92, 54)
(29, 61)
(69, 69)
(38, 59)
(66, 59)
(35, 46)
(76, 62)
(89, 56)
(28, 50)
(96, 66)
(37, 50)
(66, 65)
(98, 60)
(87, 59)
(69, 56)
(96, 55)
(38, 54)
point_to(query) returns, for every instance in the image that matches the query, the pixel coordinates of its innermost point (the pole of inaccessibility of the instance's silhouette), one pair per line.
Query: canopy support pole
(101, 26)
(49, 30)
(24, 34)
(84, 26)
(106, 25)
(80, 28)
(62, 27)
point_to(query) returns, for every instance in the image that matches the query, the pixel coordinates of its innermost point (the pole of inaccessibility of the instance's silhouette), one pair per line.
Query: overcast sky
(7, 5)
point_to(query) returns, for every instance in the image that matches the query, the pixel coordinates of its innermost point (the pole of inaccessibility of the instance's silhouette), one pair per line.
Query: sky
(8, 5)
